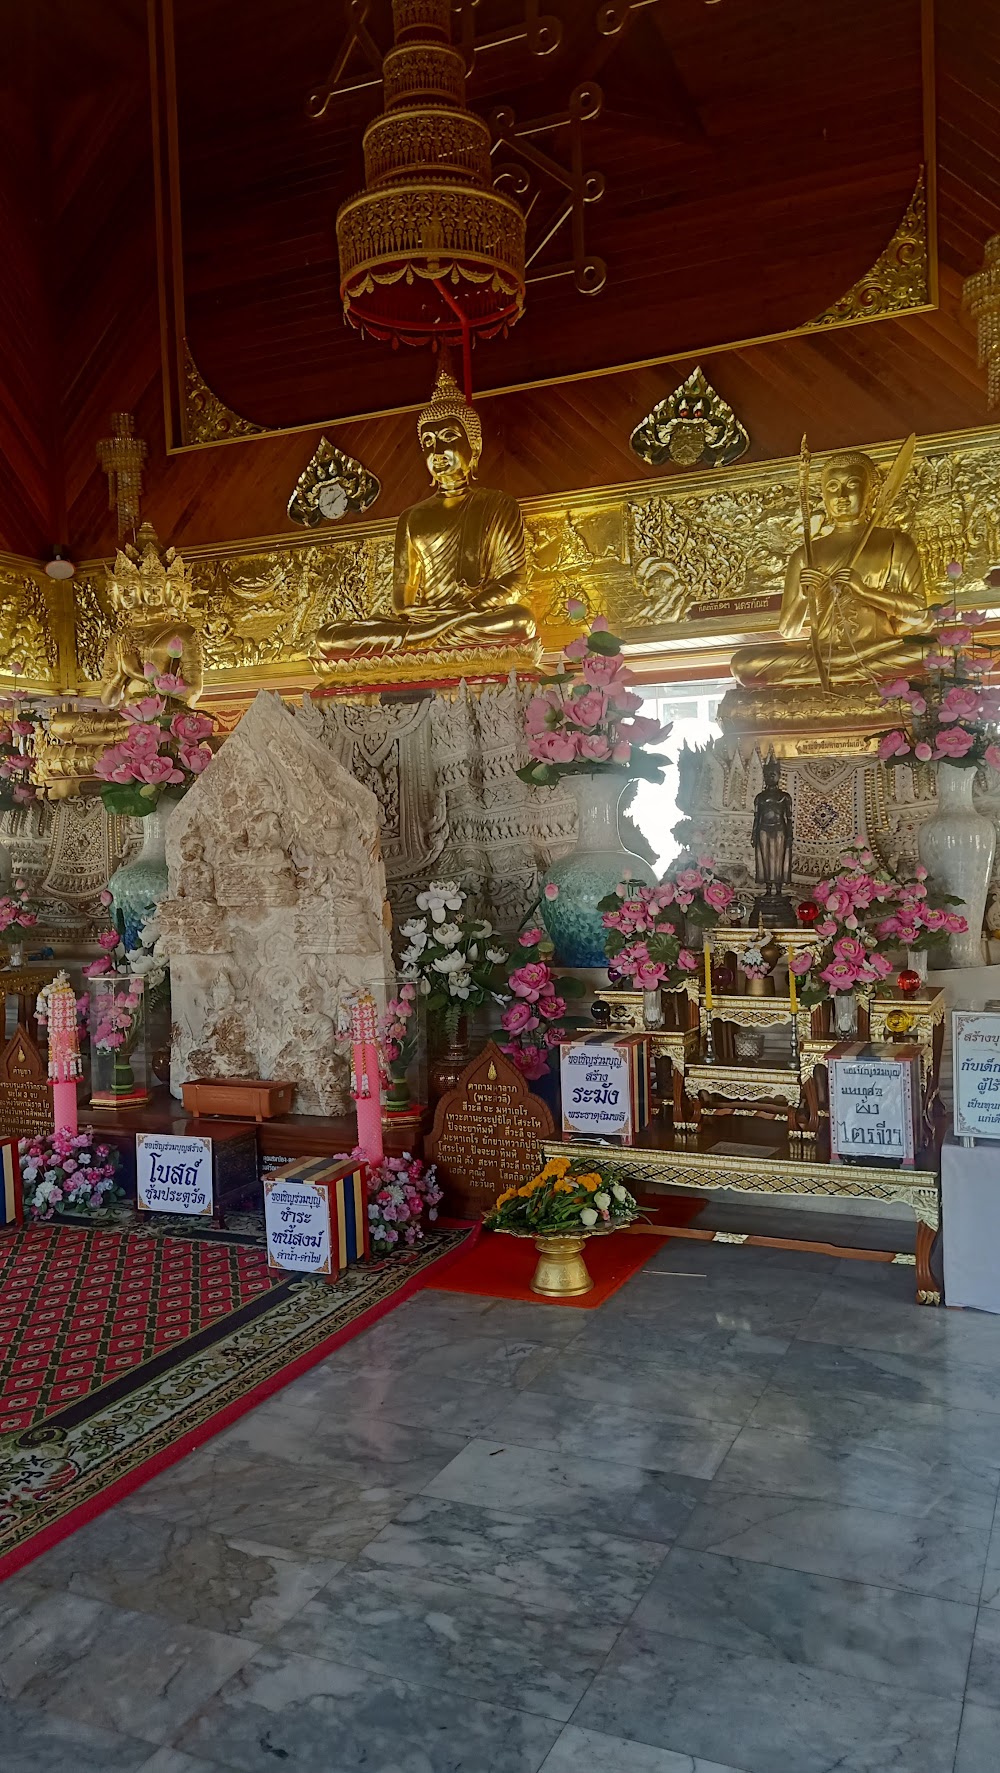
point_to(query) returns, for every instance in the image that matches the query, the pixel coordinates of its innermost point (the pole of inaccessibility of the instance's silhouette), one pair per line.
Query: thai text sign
(975, 1046)
(173, 1173)
(873, 1098)
(297, 1222)
(596, 1092)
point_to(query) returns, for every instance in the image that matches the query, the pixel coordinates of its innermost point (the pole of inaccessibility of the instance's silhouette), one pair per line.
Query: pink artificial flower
(992, 756)
(170, 683)
(589, 708)
(175, 646)
(551, 1007)
(593, 747)
(553, 748)
(954, 923)
(937, 662)
(851, 949)
(642, 730)
(687, 961)
(891, 691)
(599, 625)
(922, 751)
(576, 609)
(142, 742)
(893, 745)
(622, 751)
(839, 976)
(801, 962)
(960, 704)
(531, 938)
(604, 673)
(577, 649)
(625, 701)
(550, 891)
(954, 741)
(878, 965)
(649, 975)
(530, 981)
(518, 1017)
(191, 727)
(543, 712)
(718, 895)
(160, 770)
(932, 917)
(95, 968)
(840, 901)
(145, 709)
(955, 636)
(108, 940)
(195, 757)
(105, 897)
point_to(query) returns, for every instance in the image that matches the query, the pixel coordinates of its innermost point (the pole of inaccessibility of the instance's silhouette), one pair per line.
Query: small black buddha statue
(772, 848)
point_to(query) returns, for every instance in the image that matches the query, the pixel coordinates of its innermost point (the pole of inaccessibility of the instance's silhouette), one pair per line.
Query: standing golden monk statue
(459, 569)
(854, 608)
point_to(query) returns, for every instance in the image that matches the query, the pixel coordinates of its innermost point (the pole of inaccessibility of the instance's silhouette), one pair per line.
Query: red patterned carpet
(121, 1350)
(79, 1308)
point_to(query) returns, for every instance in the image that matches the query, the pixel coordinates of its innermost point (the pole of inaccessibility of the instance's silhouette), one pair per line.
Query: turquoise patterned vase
(590, 871)
(137, 887)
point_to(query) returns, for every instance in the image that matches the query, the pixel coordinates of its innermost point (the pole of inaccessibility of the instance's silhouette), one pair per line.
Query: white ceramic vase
(589, 872)
(956, 846)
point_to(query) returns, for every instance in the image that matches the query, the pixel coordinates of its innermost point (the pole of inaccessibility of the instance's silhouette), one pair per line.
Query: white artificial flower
(409, 958)
(441, 896)
(496, 955)
(483, 928)
(603, 1201)
(618, 1191)
(460, 984)
(425, 986)
(417, 926)
(472, 952)
(449, 963)
(448, 934)
(587, 1216)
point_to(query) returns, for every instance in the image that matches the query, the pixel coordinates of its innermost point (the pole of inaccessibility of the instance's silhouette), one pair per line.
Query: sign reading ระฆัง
(173, 1173)
(297, 1223)
(874, 1103)
(975, 1046)
(605, 1086)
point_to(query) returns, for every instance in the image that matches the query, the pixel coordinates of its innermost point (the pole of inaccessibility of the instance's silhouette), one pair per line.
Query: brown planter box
(238, 1098)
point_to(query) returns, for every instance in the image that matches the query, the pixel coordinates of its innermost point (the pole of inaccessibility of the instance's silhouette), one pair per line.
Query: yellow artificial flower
(556, 1166)
(591, 1181)
(502, 1199)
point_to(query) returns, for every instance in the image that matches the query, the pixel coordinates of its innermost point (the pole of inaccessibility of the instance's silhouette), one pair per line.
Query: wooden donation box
(316, 1215)
(875, 1103)
(11, 1203)
(206, 1171)
(605, 1086)
(25, 1096)
(487, 1135)
(238, 1098)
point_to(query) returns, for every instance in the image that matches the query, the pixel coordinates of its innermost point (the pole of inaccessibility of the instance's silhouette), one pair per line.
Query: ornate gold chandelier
(429, 250)
(981, 297)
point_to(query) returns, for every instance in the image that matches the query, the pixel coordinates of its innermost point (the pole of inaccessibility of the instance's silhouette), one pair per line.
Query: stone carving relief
(66, 850)
(444, 773)
(276, 910)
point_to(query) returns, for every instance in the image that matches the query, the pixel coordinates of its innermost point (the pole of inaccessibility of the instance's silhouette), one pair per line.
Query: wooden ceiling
(752, 172)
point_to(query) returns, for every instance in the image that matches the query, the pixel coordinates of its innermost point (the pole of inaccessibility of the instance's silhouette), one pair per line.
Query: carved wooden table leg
(928, 1291)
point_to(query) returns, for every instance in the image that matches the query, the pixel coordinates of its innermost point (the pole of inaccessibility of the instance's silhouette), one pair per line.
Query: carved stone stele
(275, 911)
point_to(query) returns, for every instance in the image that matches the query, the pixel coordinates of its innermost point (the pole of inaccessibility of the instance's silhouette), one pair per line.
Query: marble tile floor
(742, 1519)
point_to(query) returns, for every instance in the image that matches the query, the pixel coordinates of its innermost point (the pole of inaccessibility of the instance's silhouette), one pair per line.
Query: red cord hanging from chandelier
(430, 252)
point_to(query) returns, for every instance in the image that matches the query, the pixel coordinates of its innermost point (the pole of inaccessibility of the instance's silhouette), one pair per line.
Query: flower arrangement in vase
(559, 1208)
(454, 961)
(16, 915)
(532, 1019)
(403, 1048)
(865, 914)
(17, 732)
(646, 925)
(403, 1193)
(583, 729)
(165, 745)
(66, 1172)
(949, 718)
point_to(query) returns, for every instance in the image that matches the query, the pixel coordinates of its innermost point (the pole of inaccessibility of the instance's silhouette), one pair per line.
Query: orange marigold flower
(563, 1187)
(591, 1181)
(502, 1199)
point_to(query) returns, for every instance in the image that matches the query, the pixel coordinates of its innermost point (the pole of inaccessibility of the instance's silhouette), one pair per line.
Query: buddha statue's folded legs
(793, 663)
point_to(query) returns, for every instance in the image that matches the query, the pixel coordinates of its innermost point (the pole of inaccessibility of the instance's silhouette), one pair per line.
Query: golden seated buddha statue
(854, 610)
(459, 569)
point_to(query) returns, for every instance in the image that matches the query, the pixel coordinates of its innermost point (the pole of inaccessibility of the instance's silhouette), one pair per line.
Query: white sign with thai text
(872, 1108)
(596, 1097)
(173, 1173)
(975, 1046)
(297, 1222)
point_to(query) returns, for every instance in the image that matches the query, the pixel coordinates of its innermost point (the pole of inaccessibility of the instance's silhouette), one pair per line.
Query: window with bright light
(693, 710)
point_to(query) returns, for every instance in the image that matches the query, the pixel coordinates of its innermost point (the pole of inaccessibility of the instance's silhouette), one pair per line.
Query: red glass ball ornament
(807, 912)
(723, 978)
(909, 982)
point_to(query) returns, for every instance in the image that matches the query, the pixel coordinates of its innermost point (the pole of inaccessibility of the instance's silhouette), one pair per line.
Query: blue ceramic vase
(589, 872)
(137, 887)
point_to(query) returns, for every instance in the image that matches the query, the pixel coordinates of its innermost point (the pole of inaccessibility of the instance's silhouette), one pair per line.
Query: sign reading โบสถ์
(297, 1223)
(975, 1046)
(173, 1173)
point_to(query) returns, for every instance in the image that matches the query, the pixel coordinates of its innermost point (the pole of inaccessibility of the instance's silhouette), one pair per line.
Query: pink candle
(56, 1008)
(366, 1077)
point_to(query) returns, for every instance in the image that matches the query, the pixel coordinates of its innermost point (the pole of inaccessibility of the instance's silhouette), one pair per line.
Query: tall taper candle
(708, 974)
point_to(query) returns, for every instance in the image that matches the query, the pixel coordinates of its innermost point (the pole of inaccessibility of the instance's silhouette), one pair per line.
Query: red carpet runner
(122, 1350)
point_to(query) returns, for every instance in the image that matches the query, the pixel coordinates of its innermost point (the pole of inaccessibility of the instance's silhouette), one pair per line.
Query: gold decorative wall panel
(899, 280)
(676, 561)
(29, 624)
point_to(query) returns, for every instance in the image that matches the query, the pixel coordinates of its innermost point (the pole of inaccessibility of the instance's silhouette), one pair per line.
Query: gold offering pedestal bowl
(562, 1272)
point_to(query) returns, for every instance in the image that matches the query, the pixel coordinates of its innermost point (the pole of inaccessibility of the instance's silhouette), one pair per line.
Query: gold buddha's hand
(813, 580)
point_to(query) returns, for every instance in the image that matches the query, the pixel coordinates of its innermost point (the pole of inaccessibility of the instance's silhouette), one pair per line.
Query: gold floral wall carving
(900, 279)
(677, 559)
(29, 623)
